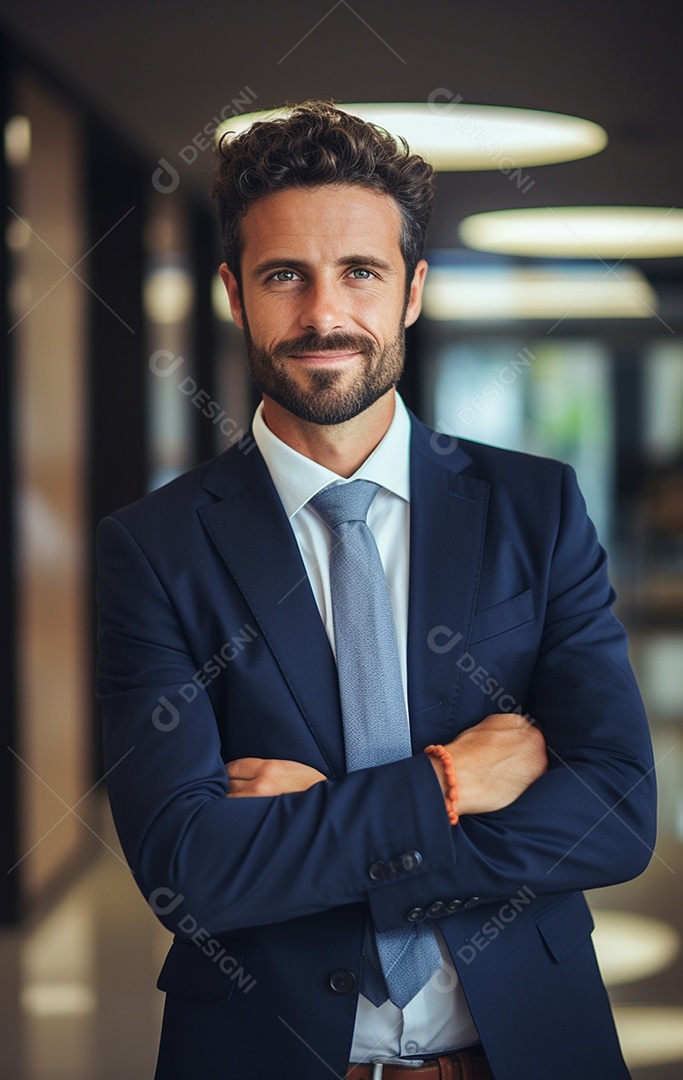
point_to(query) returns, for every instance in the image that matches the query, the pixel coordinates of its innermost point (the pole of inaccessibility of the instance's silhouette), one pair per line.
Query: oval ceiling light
(578, 232)
(507, 293)
(458, 137)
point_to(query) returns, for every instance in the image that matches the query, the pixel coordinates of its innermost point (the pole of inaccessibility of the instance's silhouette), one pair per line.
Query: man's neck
(342, 448)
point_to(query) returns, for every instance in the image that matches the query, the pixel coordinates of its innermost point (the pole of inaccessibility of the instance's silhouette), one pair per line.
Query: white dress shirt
(437, 1019)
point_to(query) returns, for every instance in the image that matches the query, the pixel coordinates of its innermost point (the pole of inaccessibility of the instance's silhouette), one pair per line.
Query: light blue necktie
(396, 963)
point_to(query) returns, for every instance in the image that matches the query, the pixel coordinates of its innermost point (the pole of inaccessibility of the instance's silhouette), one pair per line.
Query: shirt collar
(298, 478)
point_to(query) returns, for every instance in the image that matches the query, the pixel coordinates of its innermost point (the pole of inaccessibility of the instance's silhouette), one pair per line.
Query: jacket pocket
(504, 616)
(565, 926)
(207, 971)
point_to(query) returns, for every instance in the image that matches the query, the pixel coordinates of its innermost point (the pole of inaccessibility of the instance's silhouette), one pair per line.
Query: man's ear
(414, 306)
(233, 291)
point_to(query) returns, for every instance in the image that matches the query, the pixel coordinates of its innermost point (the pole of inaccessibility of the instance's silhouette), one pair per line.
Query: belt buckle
(378, 1067)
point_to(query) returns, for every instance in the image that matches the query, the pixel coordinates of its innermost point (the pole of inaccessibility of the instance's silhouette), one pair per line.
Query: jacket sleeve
(232, 863)
(590, 821)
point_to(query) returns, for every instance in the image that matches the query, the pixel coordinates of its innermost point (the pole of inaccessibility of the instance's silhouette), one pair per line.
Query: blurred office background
(113, 324)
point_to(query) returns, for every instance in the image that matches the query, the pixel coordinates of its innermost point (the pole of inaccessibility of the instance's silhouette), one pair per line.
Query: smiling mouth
(324, 357)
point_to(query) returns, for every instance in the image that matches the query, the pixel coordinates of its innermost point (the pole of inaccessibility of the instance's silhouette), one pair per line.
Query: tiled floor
(78, 988)
(78, 1000)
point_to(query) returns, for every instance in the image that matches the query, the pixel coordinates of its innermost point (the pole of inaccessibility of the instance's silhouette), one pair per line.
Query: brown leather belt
(463, 1065)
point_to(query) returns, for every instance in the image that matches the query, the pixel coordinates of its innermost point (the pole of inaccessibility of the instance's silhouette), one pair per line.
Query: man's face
(323, 302)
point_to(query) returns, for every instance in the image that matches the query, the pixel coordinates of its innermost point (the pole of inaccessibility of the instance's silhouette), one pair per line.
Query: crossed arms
(495, 761)
(299, 845)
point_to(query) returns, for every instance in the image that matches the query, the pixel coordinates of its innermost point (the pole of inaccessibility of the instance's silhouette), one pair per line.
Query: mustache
(316, 343)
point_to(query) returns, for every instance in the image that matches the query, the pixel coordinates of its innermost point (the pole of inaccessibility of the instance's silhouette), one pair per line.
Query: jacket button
(415, 914)
(411, 860)
(453, 905)
(342, 981)
(472, 902)
(436, 909)
(378, 870)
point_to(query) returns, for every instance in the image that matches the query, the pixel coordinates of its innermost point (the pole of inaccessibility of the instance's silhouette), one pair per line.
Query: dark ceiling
(161, 71)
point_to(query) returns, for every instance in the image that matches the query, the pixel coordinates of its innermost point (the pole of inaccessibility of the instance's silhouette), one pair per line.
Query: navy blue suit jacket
(212, 648)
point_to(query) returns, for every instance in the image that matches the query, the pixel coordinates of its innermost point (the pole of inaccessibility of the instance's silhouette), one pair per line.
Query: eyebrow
(371, 261)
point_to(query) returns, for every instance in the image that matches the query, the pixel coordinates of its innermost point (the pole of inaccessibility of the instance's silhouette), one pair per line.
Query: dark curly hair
(315, 144)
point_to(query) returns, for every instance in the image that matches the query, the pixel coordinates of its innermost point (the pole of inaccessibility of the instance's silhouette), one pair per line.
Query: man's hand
(495, 761)
(269, 776)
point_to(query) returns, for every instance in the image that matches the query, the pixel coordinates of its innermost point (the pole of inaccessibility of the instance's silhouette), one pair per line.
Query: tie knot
(345, 502)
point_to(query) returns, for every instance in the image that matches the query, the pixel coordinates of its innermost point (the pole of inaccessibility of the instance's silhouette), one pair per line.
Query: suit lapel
(250, 529)
(254, 538)
(447, 524)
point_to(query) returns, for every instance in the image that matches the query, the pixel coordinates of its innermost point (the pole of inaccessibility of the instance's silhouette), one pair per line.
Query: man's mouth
(324, 357)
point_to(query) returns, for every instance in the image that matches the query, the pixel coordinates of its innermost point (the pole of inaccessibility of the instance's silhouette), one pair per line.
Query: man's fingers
(270, 776)
(243, 774)
(245, 768)
(507, 721)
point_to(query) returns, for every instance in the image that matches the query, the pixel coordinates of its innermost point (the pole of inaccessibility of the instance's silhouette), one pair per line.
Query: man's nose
(322, 308)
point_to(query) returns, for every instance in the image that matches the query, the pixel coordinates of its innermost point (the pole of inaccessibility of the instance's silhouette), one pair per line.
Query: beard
(326, 396)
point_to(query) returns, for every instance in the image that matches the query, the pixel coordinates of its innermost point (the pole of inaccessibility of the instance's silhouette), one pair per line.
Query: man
(354, 900)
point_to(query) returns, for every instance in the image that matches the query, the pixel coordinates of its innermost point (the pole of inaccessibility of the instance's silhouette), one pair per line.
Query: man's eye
(361, 274)
(284, 275)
